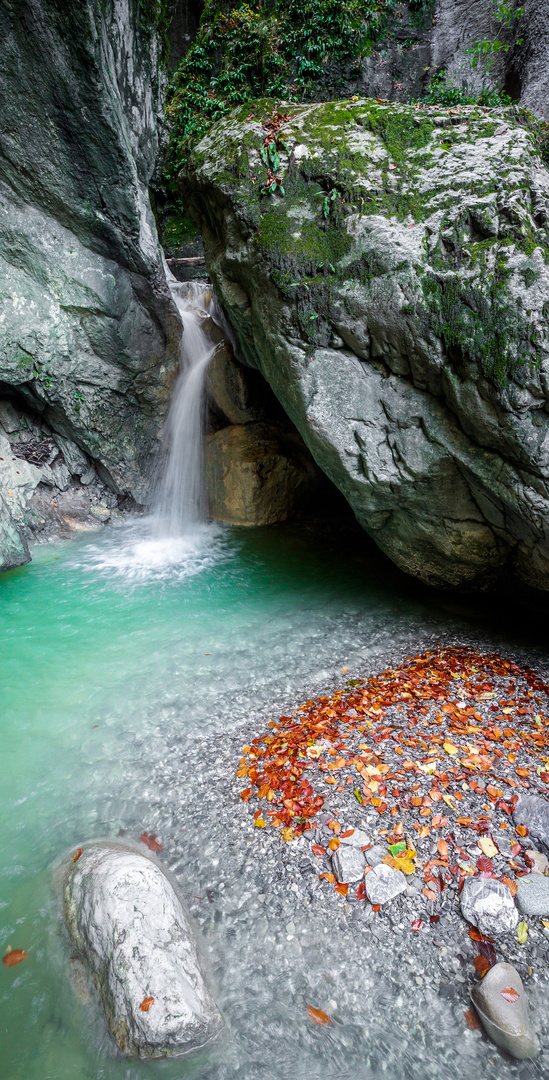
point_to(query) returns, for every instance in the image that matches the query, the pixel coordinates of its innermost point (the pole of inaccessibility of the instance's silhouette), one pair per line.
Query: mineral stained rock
(393, 290)
(128, 926)
(88, 335)
(502, 1005)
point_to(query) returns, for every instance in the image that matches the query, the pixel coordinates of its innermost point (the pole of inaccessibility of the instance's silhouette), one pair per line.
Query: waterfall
(181, 499)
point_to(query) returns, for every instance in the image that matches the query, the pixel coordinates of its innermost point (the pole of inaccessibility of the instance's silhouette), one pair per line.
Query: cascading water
(181, 501)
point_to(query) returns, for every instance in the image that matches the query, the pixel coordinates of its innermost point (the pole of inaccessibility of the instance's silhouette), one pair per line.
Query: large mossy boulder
(385, 267)
(88, 332)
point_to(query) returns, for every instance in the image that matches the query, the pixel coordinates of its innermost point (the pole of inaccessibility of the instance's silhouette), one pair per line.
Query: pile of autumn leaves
(449, 731)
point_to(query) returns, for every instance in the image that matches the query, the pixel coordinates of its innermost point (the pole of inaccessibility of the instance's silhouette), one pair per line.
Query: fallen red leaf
(361, 891)
(376, 907)
(317, 849)
(13, 957)
(510, 994)
(472, 1019)
(482, 965)
(146, 1004)
(477, 936)
(417, 924)
(442, 848)
(341, 888)
(151, 842)
(77, 854)
(318, 1016)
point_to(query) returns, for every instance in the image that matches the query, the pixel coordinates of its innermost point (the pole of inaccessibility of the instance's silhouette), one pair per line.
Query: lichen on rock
(385, 268)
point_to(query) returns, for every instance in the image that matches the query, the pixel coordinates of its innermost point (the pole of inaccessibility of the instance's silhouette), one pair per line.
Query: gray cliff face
(405, 333)
(88, 332)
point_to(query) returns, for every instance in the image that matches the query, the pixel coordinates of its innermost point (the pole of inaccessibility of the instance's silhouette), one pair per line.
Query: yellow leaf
(259, 823)
(545, 923)
(400, 864)
(487, 846)
(449, 800)
(429, 768)
(450, 748)
(522, 932)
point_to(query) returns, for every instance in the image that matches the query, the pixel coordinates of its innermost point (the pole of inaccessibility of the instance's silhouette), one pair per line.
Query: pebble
(383, 884)
(375, 855)
(507, 1023)
(488, 905)
(533, 811)
(533, 895)
(348, 864)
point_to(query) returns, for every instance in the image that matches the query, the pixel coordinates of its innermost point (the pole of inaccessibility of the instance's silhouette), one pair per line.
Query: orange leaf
(376, 907)
(477, 936)
(511, 885)
(149, 839)
(334, 844)
(509, 993)
(424, 831)
(442, 848)
(318, 1016)
(342, 888)
(317, 849)
(348, 832)
(146, 1004)
(464, 821)
(523, 772)
(77, 855)
(361, 891)
(13, 957)
(429, 894)
(472, 1020)
(334, 825)
(425, 811)
(327, 877)
(521, 830)
(263, 791)
(482, 965)
(246, 794)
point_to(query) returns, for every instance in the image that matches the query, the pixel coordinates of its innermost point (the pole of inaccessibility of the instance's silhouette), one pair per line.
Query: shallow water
(124, 662)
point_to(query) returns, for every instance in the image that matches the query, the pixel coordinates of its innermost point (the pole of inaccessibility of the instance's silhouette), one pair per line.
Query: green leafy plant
(265, 48)
(485, 52)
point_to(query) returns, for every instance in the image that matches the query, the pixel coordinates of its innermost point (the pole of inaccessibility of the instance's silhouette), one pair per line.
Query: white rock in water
(128, 925)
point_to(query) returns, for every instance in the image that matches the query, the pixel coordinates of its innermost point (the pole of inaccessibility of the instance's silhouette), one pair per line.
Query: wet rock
(533, 895)
(348, 864)
(102, 513)
(18, 481)
(533, 811)
(450, 486)
(256, 473)
(375, 855)
(358, 839)
(383, 884)
(128, 925)
(488, 905)
(506, 1021)
(239, 393)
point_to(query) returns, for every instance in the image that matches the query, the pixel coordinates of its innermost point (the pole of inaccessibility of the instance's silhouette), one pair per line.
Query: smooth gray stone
(533, 895)
(383, 884)
(375, 855)
(348, 864)
(533, 811)
(488, 905)
(506, 1022)
(128, 925)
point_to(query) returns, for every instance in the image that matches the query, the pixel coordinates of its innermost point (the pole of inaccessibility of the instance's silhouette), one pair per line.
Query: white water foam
(137, 554)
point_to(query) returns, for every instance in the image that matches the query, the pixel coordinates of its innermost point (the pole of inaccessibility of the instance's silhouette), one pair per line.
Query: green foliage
(265, 48)
(179, 228)
(485, 52)
(444, 91)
